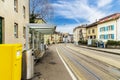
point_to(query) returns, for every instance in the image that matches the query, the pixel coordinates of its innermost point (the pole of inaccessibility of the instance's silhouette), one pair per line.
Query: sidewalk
(51, 67)
(112, 51)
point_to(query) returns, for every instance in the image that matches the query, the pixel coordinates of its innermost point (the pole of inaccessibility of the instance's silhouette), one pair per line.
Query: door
(0, 30)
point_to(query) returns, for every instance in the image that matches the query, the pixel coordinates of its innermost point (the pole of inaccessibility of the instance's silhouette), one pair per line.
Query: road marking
(68, 69)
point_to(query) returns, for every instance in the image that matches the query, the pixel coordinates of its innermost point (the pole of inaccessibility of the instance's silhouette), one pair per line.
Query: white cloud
(80, 9)
(67, 28)
(103, 3)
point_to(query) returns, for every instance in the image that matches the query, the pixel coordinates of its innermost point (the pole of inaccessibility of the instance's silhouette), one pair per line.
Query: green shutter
(0, 30)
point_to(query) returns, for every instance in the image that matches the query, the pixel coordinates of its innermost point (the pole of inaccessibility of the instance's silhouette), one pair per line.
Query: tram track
(100, 65)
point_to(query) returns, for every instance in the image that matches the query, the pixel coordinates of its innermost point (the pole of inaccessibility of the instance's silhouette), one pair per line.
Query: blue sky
(72, 13)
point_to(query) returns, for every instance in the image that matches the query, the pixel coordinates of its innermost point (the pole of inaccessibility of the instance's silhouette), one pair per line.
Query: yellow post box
(10, 61)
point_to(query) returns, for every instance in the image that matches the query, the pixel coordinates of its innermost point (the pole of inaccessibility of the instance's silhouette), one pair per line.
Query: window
(90, 37)
(94, 36)
(102, 29)
(24, 32)
(16, 5)
(111, 27)
(106, 36)
(101, 36)
(1, 26)
(24, 11)
(93, 31)
(106, 28)
(110, 36)
(88, 31)
(15, 30)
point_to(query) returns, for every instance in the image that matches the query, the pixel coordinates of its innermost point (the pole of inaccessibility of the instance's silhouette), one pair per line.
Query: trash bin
(102, 45)
(28, 64)
(10, 61)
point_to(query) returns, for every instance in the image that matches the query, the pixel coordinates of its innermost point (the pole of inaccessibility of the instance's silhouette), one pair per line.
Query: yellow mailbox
(10, 61)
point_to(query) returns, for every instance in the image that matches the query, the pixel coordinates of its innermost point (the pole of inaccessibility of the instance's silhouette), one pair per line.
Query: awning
(42, 28)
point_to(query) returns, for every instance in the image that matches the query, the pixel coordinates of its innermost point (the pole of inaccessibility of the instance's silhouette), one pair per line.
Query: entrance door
(0, 30)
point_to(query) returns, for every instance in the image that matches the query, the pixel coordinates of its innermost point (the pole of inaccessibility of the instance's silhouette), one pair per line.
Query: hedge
(84, 42)
(113, 43)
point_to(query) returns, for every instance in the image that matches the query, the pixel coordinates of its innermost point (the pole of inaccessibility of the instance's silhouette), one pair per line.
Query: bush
(84, 42)
(113, 43)
(94, 42)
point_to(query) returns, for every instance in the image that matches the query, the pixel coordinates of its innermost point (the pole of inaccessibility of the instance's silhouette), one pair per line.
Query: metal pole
(27, 37)
(33, 35)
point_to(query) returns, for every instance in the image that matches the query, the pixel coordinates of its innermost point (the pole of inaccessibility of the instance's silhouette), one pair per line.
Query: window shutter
(112, 27)
(106, 36)
(112, 36)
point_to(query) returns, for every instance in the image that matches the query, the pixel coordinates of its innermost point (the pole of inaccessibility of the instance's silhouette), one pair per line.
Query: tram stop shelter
(34, 47)
(35, 35)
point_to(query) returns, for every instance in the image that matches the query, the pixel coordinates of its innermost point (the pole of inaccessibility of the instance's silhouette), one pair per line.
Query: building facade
(79, 33)
(14, 15)
(53, 38)
(92, 31)
(109, 28)
(40, 20)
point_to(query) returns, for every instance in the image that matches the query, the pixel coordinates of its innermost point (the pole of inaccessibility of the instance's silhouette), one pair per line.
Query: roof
(39, 19)
(82, 26)
(92, 24)
(42, 28)
(109, 18)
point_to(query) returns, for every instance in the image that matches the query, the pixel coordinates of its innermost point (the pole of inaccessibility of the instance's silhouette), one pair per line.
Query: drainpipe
(116, 30)
(27, 37)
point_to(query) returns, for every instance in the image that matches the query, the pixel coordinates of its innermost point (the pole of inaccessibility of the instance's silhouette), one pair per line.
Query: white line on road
(68, 69)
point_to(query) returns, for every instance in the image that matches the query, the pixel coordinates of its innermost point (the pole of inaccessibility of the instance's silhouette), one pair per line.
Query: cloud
(87, 10)
(103, 3)
(67, 28)
(78, 9)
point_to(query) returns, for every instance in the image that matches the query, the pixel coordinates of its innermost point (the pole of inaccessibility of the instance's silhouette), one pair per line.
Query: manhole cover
(52, 62)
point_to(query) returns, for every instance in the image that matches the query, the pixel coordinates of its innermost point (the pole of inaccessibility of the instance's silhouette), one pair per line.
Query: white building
(109, 28)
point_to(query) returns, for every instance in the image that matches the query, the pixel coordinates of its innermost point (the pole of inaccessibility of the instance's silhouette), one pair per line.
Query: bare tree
(41, 9)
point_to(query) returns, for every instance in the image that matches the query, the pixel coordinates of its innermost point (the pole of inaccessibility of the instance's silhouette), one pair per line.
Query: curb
(101, 50)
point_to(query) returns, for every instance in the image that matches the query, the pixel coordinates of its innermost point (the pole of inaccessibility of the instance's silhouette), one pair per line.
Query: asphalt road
(89, 64)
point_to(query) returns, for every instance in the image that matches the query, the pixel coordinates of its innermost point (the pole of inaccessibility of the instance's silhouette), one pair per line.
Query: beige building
(40, 20)
(79, 33)
(92, 31)
(53, 38)
(14, 15)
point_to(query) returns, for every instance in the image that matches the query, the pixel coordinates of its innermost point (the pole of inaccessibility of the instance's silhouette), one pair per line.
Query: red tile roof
(110, 17)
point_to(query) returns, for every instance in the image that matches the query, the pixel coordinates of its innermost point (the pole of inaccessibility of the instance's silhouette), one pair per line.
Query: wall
(10, 17)
(76, 34)
(118, 29)
(113, 22)
(92, 34)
